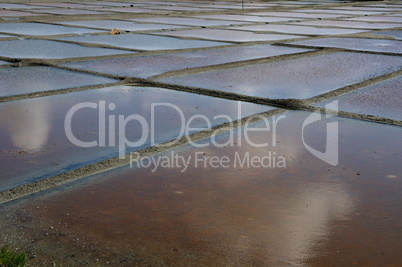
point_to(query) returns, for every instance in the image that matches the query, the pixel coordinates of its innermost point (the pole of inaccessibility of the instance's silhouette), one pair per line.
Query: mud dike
(201, 132)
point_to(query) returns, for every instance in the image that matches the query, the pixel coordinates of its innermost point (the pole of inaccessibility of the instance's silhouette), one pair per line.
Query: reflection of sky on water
(29, 130)
(34, 141)
(257, 215)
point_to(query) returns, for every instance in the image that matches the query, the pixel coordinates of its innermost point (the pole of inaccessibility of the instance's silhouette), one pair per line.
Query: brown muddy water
(298, 214)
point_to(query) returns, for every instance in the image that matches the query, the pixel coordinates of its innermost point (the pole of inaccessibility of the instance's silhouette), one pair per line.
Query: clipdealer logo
(331, 154)
(115, 131)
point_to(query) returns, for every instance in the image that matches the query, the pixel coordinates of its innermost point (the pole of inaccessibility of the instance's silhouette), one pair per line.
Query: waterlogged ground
(288, 209)
(211, 106)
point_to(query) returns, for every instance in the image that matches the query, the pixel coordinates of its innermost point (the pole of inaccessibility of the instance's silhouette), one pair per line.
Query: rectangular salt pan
(61, 11)
(346, 12)
(5, 36)
(102, 3)
(180, 8)
(378, 18)
(296, 78)
(356, 44)
(17, 6)
(120, 25)
(383, 99)
(24, 80)
(51, 49)
(188, 21)
(11, 13)
(369, 8)
(41, 29)
(144, 42)
(296, 15)
(394, 34)
(298, 29)
(128, 10)
(349, 24)
(145, 66)
(65, 5)
(244, 18)
(228, 35)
